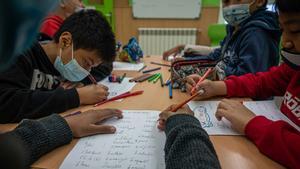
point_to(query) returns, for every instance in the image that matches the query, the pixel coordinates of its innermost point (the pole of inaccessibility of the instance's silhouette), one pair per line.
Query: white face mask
(72, 71)
(236, 14)
(291, 58)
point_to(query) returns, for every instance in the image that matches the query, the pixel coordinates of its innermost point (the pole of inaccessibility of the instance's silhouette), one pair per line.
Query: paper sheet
(270, 110)
(127, 66)
(137, 143)
(118, 88)
(205, 113)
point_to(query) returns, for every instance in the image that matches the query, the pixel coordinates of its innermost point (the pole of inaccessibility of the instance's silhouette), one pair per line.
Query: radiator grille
(154, 41)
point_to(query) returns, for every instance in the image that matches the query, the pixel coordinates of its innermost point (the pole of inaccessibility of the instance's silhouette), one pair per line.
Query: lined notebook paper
(137, 144)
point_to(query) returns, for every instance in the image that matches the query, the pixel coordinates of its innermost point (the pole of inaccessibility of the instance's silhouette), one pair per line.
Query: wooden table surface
(233, 151)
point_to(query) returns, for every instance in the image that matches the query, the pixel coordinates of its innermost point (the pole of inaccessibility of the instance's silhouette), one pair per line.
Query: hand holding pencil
(92, 94)
(195, 91)
(207, 88)
(201, 79)
(167, 113)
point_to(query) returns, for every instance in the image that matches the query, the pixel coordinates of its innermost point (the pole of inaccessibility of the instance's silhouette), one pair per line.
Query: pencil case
(180, 69)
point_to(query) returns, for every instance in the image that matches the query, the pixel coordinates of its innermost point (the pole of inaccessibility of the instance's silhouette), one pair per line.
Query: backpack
(131, 52)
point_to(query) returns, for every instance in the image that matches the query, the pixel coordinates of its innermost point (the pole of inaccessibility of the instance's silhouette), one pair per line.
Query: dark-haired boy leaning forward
(34, 87)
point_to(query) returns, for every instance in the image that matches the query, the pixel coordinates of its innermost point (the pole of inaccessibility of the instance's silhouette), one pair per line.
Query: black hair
(265, 4)
(90, 31)
(289, 6)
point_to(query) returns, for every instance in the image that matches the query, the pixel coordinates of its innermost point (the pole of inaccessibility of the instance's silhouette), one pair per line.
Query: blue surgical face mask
(236, 14)
(72, 71)
(291, 58)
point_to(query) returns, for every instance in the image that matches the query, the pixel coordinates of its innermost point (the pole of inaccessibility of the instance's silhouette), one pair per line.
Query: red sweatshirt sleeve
(260, 85)
(276, 139)
(51, 25)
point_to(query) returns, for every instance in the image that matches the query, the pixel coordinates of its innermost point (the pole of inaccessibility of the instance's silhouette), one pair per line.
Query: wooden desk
(233, 151)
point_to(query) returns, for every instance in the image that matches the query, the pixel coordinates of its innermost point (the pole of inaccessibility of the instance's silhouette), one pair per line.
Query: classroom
(160, 84)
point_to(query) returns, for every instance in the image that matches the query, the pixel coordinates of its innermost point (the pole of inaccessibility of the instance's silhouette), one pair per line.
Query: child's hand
(236, 113)
(85, 124)
(172, 51)
(164, 115)
(207, 88)
(92, 94)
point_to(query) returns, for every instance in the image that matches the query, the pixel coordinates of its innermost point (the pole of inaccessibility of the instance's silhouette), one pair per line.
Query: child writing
(53, 22)
(32, 88)
(276, 139)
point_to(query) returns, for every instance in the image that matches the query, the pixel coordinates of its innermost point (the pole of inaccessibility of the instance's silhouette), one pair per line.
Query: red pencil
(121, 96)
(92, 79)
(111, 99)
(201, 79)
(73, 114)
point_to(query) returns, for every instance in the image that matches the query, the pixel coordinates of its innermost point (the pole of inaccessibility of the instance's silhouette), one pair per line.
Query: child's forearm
(37, 137)
(220, 88)
(185, 141)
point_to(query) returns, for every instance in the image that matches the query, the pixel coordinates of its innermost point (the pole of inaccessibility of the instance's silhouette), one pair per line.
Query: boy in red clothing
(53, 22)
(276, 139)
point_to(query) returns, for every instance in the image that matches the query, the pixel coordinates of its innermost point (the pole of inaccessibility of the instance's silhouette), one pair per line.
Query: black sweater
(30, 88)
(187, 146)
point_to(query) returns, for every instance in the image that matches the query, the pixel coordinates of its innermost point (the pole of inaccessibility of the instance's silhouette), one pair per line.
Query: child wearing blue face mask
(72, 71)
(252, 40)
(35, 86)
(53, 22)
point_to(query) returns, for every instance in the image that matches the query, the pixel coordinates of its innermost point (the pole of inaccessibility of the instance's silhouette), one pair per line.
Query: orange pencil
(201, 79)
(185, 102)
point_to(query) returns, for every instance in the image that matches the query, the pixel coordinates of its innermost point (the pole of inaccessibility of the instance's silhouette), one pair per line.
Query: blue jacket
(253, 48)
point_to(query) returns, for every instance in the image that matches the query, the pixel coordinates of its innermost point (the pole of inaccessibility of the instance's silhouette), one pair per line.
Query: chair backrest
(216, 33)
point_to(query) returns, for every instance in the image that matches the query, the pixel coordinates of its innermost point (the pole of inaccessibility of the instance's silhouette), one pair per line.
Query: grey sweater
(187, 146)
(32, 139)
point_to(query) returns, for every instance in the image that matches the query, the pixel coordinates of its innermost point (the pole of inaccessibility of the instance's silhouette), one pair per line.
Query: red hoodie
(51, 24)
(276, 139)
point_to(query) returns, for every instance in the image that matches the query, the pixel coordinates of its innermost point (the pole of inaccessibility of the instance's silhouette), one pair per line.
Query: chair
(216, 33)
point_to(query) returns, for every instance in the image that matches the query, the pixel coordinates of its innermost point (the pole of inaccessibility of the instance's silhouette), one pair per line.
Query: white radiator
(154, 41)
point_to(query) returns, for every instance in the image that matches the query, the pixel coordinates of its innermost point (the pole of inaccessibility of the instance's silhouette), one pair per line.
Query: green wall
(107, 8)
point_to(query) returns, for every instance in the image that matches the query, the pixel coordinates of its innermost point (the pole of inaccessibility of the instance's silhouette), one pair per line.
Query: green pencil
(153, 77)
(122, 78)
(156, 79)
